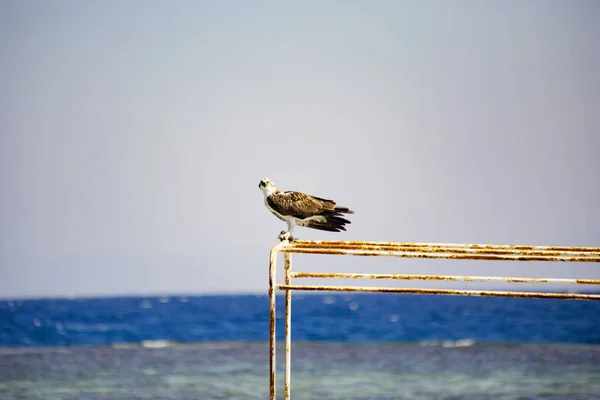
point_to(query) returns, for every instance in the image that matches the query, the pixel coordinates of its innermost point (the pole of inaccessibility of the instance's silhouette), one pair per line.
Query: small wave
(60, 328)
(157, 344)
(149, 344)
(458, 343)
(449, 343)
(146, 304)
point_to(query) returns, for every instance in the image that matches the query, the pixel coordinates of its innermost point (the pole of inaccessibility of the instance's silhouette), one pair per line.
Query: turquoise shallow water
(239, 370)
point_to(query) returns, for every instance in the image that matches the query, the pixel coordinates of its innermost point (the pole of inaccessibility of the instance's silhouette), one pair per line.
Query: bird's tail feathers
(325, 227)
(335, 218)
(329, 221)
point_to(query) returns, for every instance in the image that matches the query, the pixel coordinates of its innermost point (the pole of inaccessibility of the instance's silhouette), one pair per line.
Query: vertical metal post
(288, 326)
(272, 316)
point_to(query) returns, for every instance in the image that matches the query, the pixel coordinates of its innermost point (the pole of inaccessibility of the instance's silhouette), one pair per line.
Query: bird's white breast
(281, 217)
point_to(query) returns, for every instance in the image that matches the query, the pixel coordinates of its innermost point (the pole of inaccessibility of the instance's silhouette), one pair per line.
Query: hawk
(301, 209)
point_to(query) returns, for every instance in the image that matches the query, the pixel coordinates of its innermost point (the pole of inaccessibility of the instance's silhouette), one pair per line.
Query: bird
(296, 208)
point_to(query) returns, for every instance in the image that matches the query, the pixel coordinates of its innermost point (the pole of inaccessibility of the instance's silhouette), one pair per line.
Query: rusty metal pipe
(443, 278)
(288, 328)
(444, 248)
(432, 246)
(448, 292)
(272, 318)
(515, 256)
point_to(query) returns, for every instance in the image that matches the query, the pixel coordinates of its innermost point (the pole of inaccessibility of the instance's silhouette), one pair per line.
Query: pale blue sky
(133, 135)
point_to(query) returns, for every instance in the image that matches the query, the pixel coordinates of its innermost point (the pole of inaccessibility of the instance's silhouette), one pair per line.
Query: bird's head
(267, 186)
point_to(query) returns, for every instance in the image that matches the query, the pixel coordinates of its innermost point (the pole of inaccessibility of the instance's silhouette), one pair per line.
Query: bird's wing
(298, 204)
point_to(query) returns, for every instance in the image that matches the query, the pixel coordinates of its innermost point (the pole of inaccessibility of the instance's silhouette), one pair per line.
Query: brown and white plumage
(301, 209)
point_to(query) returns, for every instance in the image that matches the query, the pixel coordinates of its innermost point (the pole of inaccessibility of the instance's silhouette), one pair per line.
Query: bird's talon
(285, 236)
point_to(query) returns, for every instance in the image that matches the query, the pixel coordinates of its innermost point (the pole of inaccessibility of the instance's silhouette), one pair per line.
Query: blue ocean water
(315, 318)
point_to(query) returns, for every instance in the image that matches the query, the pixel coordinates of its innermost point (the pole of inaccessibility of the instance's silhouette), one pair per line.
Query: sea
(344, 346)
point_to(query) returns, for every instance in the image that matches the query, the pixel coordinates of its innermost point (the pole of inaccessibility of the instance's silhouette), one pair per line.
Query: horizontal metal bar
(448, 292)
(446, 251)
(444, 255)
(432, 249)
(442, 246)
(443, 278)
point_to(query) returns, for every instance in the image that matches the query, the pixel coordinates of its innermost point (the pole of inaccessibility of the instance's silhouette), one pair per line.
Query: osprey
(301, 209)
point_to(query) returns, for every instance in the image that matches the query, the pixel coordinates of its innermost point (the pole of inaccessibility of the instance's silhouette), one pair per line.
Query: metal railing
(413, 250)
